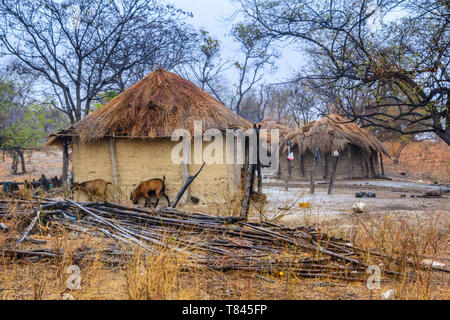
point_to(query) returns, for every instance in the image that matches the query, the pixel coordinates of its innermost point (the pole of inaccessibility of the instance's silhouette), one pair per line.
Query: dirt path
(388, 196)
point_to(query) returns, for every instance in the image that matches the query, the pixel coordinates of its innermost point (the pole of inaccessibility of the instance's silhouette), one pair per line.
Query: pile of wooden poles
(219, 243)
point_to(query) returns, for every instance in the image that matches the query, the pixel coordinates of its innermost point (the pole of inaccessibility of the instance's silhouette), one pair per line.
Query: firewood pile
(219, 243)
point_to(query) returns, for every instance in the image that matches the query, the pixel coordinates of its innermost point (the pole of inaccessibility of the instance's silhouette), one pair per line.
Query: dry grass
(409, 237)
(140, 276)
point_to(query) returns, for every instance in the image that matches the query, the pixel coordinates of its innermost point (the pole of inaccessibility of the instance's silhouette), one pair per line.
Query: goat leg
(168, 201)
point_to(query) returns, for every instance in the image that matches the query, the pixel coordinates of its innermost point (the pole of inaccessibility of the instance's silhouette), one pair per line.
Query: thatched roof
(270, 124)
(332, 133)
(153, 108)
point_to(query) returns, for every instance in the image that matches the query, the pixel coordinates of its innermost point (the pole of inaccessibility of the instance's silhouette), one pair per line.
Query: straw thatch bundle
(332, 133)
(270, 124)
(153, 108)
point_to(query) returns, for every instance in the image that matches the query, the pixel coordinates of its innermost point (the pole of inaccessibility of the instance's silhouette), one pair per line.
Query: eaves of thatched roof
(154, 108)
(270, 124)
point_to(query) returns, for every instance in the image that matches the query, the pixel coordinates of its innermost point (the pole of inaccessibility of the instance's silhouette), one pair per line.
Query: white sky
(213, 16)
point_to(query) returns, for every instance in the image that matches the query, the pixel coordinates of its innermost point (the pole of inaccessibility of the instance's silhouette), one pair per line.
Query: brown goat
(94, 187)
(147, 188)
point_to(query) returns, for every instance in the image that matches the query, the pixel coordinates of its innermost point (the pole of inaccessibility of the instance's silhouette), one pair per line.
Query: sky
(213, 16)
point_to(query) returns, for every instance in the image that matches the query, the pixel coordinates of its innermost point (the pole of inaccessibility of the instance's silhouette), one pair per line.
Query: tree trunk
(22, 160)
(14, 162)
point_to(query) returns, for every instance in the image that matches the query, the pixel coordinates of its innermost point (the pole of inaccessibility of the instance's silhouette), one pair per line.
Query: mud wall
(141, 160)
(342, 169)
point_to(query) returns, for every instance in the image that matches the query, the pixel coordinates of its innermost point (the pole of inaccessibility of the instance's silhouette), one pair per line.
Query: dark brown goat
(147, 188)
(94, 187)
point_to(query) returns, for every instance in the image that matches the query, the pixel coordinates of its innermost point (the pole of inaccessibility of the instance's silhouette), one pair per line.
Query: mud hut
(360, 153)
(128, 140)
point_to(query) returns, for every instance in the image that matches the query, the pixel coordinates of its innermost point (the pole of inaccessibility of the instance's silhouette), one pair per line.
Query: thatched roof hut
(334, 133)
(358, 149)
(128, 140)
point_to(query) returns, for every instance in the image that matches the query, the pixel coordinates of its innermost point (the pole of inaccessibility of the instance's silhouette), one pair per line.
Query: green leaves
(27, 132)
(104, 97)
(210, 46)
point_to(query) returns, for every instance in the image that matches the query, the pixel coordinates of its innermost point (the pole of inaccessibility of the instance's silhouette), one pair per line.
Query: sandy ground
(48, 162)
(342, 199)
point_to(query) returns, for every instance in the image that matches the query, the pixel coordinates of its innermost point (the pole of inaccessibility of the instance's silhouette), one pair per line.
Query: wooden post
(372, 165)
(313, 170)
(335, 161)
(325, 166)
(364, 163)
(288, 169)
(65, 168)
(112, 150)
(302, 159)
(258, 161)
(185, 172)
(237, 167)
(350, 163)
(279, 170)
(186, 185)
(381, 164)
(245, 204)
(287, 175)
(249, 180)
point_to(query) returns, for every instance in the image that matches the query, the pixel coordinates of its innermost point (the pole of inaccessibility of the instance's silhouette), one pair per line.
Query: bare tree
(383, 73)
(207, 68)
(257, 55)
(256, 103)
(279, 108)
(81, 47)
(302, 103)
